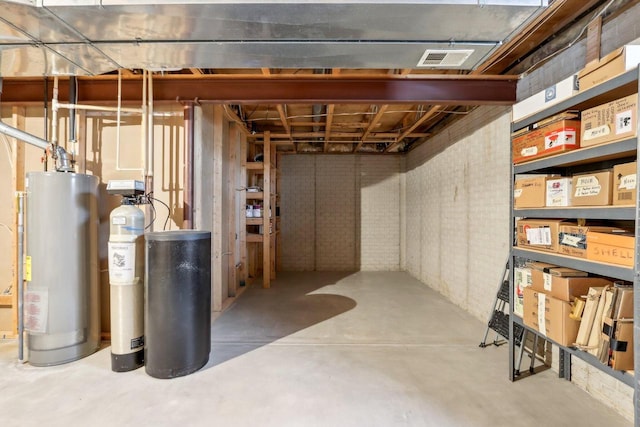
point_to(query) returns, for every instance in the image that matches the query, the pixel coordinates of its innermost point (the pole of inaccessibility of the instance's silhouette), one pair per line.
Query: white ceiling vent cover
(444, 58)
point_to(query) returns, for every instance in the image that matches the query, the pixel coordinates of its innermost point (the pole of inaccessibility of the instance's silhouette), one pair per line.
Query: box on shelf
(614, 248)
(617, 335)
(530, 192)
(624, 184)
(573, 284)
(550, 317)
(539, 234)
(622, 345)
(610, 122)
(546, 98)
(592, 189)
(609, 66)
(558, 192)
(558, 134)
(572, 238)
(521, 280)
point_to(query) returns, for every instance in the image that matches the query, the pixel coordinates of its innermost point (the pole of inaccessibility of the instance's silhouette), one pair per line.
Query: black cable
(166, 221)
(153, 210)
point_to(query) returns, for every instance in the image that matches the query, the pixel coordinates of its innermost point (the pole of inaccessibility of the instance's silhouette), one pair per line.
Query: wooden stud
(266, 205)
(234, 211)
(218, 138)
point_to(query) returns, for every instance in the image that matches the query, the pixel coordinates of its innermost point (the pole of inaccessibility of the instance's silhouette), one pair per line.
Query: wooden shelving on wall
(260, 249)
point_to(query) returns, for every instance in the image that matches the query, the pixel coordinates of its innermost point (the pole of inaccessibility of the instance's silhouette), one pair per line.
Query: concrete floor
(317, 349)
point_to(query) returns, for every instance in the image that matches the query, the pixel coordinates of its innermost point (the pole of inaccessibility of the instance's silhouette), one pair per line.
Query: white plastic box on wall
(546, 98)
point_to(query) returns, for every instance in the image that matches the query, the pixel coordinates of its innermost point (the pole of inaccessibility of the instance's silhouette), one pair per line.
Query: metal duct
(76, 37)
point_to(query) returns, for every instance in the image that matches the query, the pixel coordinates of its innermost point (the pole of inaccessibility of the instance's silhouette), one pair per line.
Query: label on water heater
(36, 310)
(122, 263)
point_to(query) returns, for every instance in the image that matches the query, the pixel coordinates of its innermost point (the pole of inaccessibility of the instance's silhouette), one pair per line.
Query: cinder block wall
(340, 213)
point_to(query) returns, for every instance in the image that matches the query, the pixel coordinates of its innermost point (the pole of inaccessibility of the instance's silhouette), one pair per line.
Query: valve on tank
(126, 276)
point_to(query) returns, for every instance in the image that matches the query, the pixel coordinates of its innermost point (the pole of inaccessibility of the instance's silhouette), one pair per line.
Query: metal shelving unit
(591, 158)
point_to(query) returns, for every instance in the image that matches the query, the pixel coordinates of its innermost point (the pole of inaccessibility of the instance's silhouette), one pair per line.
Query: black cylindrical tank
(177, 320)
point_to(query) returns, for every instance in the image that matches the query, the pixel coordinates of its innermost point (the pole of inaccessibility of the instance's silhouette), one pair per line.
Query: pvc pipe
(54, 117)
(24, 136)
(101, 108)
(20, 283)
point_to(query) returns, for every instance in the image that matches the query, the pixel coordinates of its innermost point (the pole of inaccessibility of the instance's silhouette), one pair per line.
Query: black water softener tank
(177, 302)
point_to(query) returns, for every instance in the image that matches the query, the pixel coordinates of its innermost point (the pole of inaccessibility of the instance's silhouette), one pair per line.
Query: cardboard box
(539, 234)
(573, 238)
(546, 98)
(614, 248)
(522, 279)
(550, 317)
(553, 137)
(620, 344)
(530, 308)
(530, 192)
(559, 192)
(624, 184)
(592, 189)
(609, 66)
(609, 122)
(565, 288)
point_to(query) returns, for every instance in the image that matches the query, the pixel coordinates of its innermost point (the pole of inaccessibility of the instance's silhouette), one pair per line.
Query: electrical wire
(7, 145)
(153, 212)
(166, 221)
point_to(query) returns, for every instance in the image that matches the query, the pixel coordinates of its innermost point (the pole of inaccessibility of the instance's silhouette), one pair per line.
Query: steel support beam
(441, 90)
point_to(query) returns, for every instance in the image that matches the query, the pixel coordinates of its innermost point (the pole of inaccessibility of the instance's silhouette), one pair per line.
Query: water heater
(62, 309)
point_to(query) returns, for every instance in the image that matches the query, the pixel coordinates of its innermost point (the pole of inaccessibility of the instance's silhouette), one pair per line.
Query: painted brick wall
(297, 212)
(379, 213)
(340, 213)
(457, 211)
(335, 213)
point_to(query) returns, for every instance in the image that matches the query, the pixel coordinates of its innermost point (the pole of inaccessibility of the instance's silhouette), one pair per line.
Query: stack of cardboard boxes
(594, 314)
(572, 309)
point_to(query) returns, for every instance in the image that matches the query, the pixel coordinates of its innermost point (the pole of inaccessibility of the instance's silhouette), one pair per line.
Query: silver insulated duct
(62, 311)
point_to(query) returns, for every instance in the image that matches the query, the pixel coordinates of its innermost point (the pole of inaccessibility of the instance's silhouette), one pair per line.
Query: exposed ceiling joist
(327, 128)
(430, 113)
(372, 125)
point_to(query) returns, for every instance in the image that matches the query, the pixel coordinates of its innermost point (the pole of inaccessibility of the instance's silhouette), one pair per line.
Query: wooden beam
(594, 34)
(372, 125)
(430, 113)
(327, 128)
(553, 19)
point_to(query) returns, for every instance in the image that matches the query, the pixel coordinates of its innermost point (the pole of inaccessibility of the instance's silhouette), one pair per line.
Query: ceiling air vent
(444, 58)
